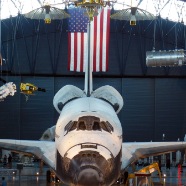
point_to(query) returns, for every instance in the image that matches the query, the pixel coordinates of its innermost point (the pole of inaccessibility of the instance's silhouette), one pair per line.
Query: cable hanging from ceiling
(154, 35)
(179, 10)
(176, 37)
(184, 35)
(174, 57)
(169, 58)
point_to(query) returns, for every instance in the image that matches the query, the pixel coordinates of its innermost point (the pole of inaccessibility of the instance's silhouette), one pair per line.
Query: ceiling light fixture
(133, 14)
(48, 12)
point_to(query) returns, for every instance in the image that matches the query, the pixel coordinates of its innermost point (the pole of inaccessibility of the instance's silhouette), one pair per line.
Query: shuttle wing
(44, 150)
(134, 151)
(131, 152)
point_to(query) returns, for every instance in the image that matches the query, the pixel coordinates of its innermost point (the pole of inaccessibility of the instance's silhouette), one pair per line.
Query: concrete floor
(172, 177)
(29, 177)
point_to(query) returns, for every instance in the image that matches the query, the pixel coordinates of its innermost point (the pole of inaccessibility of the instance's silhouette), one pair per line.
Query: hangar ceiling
(172, 9)
(31, 47)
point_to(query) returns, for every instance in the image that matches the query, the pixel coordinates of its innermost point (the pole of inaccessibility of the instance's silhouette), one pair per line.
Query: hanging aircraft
(29, 89)
(7, 89)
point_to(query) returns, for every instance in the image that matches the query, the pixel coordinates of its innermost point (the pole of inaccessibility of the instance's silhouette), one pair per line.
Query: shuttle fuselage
(88, 140)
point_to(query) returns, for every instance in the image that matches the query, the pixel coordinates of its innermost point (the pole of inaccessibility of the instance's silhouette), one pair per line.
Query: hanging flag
(99, 40)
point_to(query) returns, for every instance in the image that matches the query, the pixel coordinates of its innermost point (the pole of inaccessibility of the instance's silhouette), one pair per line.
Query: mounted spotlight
(133, 20)
(47, 13)
(133, 14)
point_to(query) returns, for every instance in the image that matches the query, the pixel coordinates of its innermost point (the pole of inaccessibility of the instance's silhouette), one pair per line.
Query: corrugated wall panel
(10, 113)
(42, 58)
(62, 56)
(128, 46)
(138, 112)
(151, 107)
(37, 113)
(170, 108)
(114, 82)
(19, 58)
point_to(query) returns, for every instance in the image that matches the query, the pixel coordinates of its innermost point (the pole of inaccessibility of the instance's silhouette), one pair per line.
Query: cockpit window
(96, 126)
(68, 126)
(89, 123)
(104, 126)
(110, 126)
(74, 126)
(82, 125)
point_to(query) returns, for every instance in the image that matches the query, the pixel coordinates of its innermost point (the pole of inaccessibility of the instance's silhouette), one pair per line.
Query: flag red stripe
(82, 52)
(69, 50)
(75, 51)
(95, 44)
(107, 38)
(101, 39)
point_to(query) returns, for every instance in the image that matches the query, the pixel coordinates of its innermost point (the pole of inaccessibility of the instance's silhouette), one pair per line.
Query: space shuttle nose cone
(90, 169)
(90, 177)
(93, 165)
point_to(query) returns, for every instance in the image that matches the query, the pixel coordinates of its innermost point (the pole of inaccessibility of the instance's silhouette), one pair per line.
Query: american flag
(99, 40)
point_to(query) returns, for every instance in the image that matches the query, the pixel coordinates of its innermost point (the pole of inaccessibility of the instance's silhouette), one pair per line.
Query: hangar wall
(31, 47)
(154, 97)
(152, 106)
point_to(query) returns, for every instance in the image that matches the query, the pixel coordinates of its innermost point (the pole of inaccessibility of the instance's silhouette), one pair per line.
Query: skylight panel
(174, 10)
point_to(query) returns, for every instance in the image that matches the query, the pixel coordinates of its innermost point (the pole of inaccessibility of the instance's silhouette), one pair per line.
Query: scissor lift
(143, 176)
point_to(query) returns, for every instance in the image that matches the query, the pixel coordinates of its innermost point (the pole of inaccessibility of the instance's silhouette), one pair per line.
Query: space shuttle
(86, 145)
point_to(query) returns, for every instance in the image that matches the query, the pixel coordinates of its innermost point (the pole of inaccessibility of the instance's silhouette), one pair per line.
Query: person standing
(159, 163)
(168, 163)
(10, 161)
(180, 165)
(3, 182)
(4, 160)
